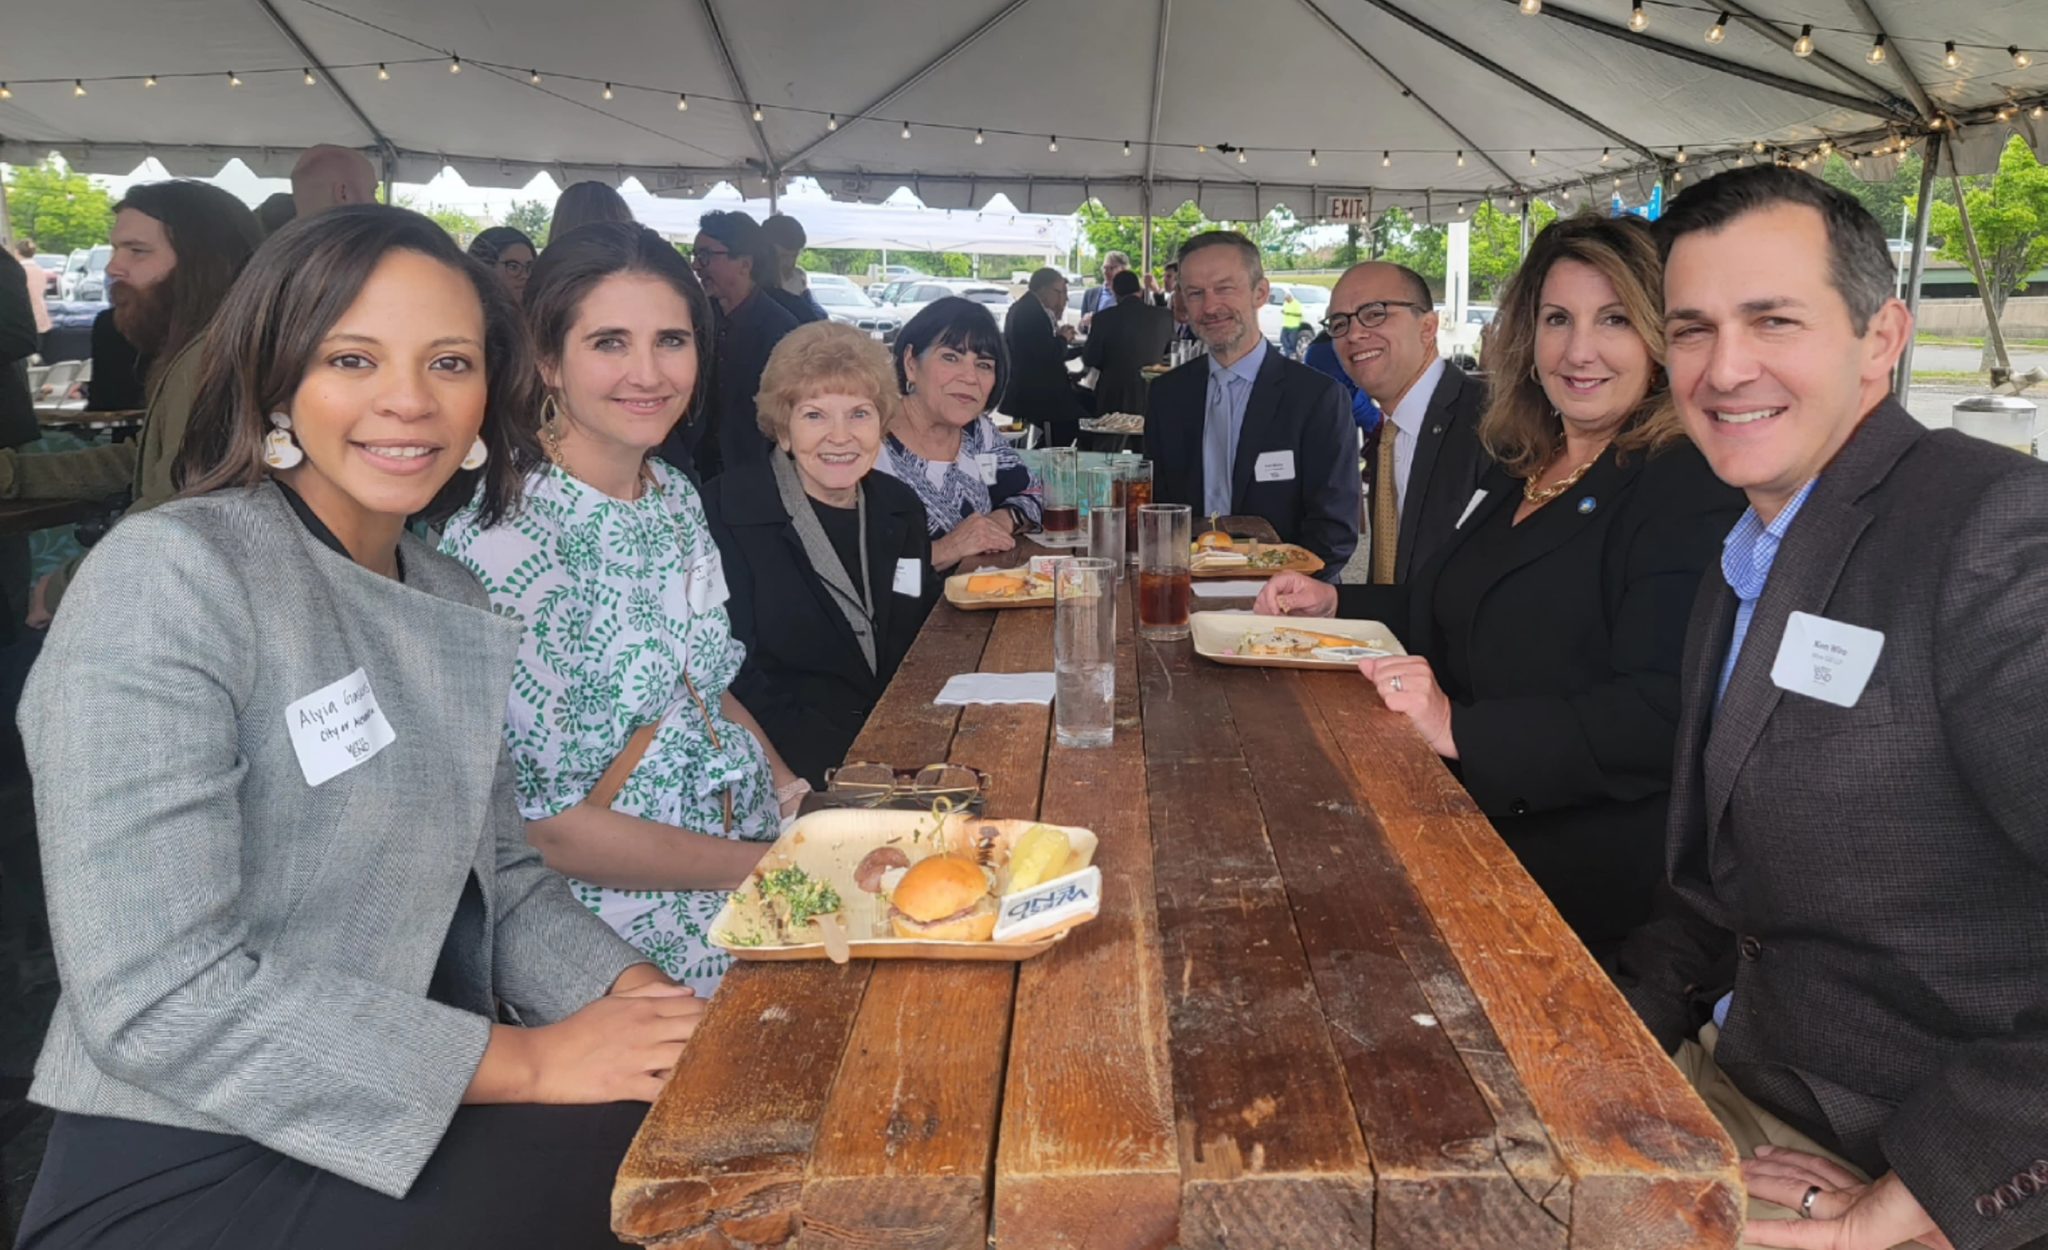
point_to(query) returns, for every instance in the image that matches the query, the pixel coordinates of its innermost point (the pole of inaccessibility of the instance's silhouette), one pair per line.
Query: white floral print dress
(622, 600)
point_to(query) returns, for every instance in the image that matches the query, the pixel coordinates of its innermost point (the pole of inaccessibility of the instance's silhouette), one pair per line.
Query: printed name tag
(337, 727)
(1826, 660)
(1478, 497)
(987, 461)
(909, 578)
(1063, 900)
(1273, 466)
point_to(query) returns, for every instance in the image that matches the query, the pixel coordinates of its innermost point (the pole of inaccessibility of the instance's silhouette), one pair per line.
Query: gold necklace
(1537, 496)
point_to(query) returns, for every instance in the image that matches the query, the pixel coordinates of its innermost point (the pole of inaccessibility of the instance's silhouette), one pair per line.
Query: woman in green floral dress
(614, 572)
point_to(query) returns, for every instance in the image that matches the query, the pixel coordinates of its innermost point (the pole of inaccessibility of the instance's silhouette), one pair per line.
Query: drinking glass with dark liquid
(1164, 588)
(1135, 478)
(1062, 519)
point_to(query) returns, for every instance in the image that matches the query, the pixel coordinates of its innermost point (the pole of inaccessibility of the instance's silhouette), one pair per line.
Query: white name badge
(1273, 466)
(1826, 660)
(987, 461)
(909, 578)
(1478, 497)
(1061, 901)
(337, 727)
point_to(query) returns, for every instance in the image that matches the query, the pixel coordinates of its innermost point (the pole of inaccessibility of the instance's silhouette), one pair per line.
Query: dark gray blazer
(1882, 870)
(1449, 461)
(244, 953)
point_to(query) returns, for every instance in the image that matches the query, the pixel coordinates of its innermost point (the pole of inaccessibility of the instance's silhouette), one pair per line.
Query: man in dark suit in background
(1428, 460)
(1243, 431)
(1040, 391)
(1097, 298)
(1127, 336)
(1859, 816)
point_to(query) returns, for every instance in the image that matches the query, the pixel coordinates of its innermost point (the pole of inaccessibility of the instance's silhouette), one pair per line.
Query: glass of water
(1084, 652)
(1106, 534)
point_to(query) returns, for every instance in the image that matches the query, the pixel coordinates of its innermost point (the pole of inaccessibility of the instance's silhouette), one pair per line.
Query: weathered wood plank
(1087, 1158)
(905, 1148)
(1271, 1153)
(1439, 1153)
(1649, 1166)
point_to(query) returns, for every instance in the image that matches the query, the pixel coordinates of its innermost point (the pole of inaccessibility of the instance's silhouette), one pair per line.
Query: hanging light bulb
(383, 75)
(607, 91)
(1676, 177)
(533, 76)
(1856, 161)
(1606, 155)
(2020, 58)
(682, 103)
(1826, 146)
(1802, 47)
(1386, 160)
(1742, 158)
(1876, 54)
(1758, 147)
(1461, 208)
(906, 131)
(1054, 145)
(1127, 148)
(234, 80)
(1240, 156)
(1617, 182)
(1532, 7)
(2005, 111)
(147, 82)
(1638, 21)
(77, 86)
(2040, 111)
(832, 122)
(1719, 30)
(1948, 55)
(454, 64)
(1312, 161)
(310, 80)
(1681, 158)
(1532, 156)
(1461, 158)
(1201, 147)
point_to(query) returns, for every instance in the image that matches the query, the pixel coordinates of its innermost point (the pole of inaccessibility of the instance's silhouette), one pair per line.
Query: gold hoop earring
(551, 429)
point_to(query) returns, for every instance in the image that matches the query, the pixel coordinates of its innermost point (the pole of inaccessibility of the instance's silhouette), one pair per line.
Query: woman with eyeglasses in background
(509, 252)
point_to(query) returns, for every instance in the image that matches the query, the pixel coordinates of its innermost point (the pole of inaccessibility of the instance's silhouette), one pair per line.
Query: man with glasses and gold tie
(1243, 431)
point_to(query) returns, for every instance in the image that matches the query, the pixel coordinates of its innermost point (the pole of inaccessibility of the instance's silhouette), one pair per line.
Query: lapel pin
(1436, 429)
(1587, 505)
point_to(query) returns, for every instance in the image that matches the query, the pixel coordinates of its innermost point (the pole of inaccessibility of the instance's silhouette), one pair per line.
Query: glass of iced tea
(1062, 486)
(1164, 589)
(1135, 480)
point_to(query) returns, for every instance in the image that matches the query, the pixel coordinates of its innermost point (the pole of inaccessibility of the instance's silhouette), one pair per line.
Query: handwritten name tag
(1273, 466)
(1058, 902)
(909, 578)
(987, 462)
(1826, 660)
(337, 727)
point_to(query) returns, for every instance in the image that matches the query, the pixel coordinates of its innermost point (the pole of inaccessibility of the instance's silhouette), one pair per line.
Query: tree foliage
(1107, 233)
(1496, 250)
(460, 225)
(2010, 218)
(60, 209)
(532, 218)
(1887, 200)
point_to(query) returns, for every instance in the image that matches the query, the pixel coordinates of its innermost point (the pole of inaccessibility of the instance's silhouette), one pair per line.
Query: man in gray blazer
(1859, 816)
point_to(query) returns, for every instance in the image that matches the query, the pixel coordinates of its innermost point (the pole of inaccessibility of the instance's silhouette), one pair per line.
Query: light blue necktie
(1216, 449)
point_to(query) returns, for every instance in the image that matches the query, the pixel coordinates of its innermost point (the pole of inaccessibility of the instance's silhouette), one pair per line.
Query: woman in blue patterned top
(977, 494)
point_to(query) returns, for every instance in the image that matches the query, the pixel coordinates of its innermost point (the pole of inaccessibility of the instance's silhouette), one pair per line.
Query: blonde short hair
(1519, 428)
(823, 357)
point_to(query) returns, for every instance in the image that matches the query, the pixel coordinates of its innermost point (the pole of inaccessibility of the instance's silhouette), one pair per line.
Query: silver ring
(1395, 682)
(1806, 1203)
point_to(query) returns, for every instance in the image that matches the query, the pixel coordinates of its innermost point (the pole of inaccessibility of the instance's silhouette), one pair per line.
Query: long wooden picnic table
(1323, 1007)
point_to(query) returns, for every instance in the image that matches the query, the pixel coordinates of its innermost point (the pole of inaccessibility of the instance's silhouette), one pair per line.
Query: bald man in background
(328, 177)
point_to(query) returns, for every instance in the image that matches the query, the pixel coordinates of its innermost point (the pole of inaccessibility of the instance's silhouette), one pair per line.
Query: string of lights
(1803, 44)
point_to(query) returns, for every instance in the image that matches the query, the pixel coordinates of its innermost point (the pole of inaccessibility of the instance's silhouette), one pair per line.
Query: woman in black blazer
(1545, 635)
(828, 564)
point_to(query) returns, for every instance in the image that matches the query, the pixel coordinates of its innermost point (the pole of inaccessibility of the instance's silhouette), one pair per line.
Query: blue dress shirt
(1230, 389)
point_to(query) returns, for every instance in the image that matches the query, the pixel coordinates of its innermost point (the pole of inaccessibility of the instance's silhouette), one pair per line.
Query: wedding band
(1806, 1203)
(1395, 682)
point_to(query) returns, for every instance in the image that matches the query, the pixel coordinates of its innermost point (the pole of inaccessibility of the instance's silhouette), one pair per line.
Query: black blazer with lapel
(1565, 721)
(804, 678)
(1040, 391)
(1884, 865)
(1449, 461)
(1122, 341)
(746, 337)
(1291, 408)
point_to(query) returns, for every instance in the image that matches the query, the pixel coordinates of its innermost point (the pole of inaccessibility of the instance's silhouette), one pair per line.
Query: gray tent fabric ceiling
(1239, 105)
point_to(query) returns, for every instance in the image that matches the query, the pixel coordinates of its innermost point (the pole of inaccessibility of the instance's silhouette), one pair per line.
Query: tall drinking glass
(1164, 588)
(1062, 495)
(1084, 652)
(1098, 487)
(1137, 483)
(1106, 533)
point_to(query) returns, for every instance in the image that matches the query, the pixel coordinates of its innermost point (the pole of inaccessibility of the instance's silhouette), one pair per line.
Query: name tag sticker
(1826, 660)
(987, 461)
(1057, 903)
(1478, 497)
(909, 578)
(1273, 466)
(337, 727)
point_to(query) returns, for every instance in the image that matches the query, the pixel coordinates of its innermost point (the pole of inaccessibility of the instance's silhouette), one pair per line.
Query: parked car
(848, 305)
(52, 265)
(911, 297)
(74, 270)
(1315, 305)
(92, 285)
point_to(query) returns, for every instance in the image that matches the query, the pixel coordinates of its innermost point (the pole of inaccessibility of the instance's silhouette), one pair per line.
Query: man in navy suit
(1243, 431)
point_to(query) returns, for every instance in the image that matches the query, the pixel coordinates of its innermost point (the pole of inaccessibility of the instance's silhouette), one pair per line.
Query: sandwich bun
(1214, 540)
(943, 898)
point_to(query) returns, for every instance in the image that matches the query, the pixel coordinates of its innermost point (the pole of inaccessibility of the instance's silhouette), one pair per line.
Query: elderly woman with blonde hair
(1545, 635)
(829, 562)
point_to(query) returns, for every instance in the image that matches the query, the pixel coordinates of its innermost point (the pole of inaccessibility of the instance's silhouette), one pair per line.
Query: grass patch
(1938, 340)
(1941, 375)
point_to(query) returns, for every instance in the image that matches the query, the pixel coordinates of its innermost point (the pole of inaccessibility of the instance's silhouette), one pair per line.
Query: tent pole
(1916, 268)
(774, 206)
(1145, 207)
(390, 171)
(2003, 369)
(1526, 201)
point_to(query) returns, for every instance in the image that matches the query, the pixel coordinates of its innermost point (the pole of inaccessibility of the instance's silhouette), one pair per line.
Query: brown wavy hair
(1520, 428)
(268, 334)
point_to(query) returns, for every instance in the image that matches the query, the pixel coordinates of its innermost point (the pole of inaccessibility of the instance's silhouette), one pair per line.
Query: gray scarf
(858, 609)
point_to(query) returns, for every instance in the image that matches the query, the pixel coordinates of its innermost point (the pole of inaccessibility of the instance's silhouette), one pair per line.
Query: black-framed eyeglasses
(705, 255)
(515, 268)
(1370, 315)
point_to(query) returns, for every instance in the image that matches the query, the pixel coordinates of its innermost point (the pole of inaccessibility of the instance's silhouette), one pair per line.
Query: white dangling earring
(279, 449)
(478, 453)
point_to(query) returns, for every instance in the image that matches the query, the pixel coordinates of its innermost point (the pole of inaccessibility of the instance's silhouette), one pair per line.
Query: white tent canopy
(1428, 104)
(996, 229)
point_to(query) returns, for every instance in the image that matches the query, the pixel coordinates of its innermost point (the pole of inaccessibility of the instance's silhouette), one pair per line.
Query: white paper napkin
(1228, 590)
(972, 688)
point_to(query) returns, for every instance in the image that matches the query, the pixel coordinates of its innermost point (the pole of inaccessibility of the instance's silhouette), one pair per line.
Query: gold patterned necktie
(1386, 511)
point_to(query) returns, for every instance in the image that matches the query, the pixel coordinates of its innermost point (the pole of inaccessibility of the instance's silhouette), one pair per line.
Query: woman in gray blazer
(304, 944)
